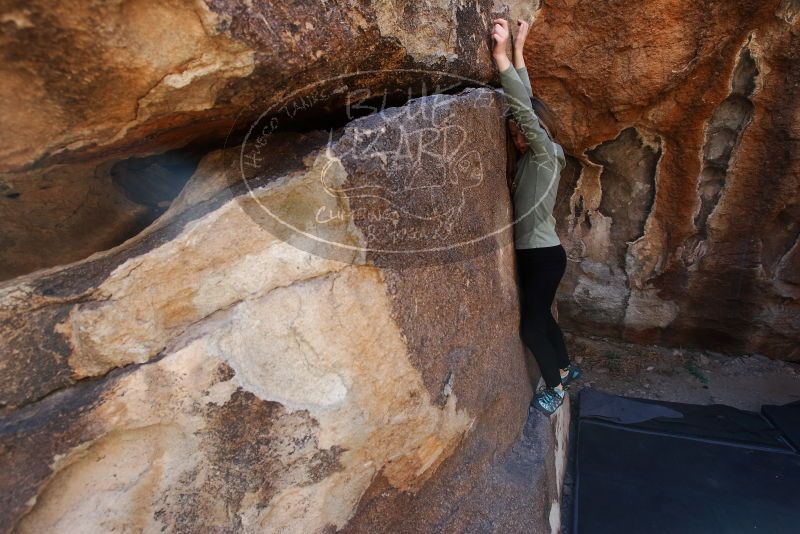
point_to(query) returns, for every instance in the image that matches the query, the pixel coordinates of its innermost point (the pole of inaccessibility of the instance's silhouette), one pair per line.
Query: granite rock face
(681, 207)
(216, 374)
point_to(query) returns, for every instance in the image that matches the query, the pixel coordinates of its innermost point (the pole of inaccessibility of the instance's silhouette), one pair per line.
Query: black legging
(540, 271)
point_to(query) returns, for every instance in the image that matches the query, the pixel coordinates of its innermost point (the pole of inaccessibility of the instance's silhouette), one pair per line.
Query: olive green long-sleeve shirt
(538, 170)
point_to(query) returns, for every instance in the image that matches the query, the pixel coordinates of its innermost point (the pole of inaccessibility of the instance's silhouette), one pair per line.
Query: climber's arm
(523, 77)
(520, 104)
(518, 100)
(519, 60)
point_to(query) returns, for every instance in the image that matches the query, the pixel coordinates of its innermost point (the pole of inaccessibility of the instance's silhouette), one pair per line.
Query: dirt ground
(745, 381)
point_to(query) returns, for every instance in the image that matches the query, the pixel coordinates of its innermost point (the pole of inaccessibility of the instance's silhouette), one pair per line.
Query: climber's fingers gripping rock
(500, 34)
(522, 32)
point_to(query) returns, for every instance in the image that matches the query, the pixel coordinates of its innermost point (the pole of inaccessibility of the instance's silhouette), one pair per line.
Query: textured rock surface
(690, 107)
(684, 121)
(221, 370)
(519, 493)
(102, 81)
(209, 375)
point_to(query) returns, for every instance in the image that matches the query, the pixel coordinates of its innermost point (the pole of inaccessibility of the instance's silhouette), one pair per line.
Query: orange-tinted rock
(698, 246)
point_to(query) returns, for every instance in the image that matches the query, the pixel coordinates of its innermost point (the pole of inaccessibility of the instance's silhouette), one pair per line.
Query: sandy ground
(745, 381)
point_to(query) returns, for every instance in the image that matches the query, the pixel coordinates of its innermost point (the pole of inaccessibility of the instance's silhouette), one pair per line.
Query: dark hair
(546, 116)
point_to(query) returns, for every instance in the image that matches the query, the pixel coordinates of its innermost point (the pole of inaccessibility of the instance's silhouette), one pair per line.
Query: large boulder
(270, 356)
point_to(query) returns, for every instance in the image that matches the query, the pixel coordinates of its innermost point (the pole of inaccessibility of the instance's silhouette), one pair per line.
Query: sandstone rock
(210, 374)
(520, 493)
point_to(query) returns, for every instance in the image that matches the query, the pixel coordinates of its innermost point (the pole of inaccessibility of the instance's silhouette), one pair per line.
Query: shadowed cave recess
(238, 375)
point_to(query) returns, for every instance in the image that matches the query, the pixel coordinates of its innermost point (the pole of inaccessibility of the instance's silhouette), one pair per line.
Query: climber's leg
(556, 337)
(534, 334)
(540, 272)
(556, 263)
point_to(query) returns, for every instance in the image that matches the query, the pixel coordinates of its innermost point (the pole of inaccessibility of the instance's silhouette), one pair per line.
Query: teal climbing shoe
(548, 401)
(573, 374)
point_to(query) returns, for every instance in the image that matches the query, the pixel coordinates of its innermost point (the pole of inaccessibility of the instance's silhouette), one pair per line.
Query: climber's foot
(548, 400)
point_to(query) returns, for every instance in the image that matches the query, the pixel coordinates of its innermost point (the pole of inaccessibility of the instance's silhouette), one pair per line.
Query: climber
(541, 260)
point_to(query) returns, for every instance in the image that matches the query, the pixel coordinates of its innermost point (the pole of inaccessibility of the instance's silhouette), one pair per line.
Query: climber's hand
(500, 36)
(522, 33)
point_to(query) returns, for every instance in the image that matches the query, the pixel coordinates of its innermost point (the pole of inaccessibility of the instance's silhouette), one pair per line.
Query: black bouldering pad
(656, 467)
(787, 419)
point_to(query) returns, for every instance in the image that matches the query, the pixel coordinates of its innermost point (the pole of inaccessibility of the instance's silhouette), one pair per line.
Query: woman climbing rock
(541, 260)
